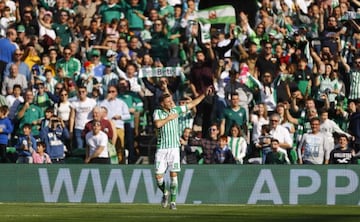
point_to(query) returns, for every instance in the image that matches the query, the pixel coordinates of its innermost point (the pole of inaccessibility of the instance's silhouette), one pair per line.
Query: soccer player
(168, 144)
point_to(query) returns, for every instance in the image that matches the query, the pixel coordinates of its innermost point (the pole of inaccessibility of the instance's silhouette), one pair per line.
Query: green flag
(223, 14)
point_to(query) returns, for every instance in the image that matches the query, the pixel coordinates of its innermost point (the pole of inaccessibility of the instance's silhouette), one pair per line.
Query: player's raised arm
(197, 100)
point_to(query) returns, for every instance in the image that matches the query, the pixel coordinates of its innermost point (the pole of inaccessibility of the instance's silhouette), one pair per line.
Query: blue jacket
(54, 141)
(7, 128)
(23, 142)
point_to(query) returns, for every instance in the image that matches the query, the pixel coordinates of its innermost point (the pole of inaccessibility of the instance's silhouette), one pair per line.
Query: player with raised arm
(168, 144)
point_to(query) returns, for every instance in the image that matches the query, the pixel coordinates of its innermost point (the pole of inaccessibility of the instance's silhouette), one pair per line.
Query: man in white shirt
(118, 112)
(80, 115)
(96, 149)
(280, 133)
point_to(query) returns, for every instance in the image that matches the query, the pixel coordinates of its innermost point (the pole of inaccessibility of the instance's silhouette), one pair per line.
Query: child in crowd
(40, 157)
(222, 153)
(6, 127)
(264, 141)
(26, 145)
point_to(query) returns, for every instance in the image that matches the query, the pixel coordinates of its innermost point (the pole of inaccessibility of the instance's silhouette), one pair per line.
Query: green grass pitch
(39, 212)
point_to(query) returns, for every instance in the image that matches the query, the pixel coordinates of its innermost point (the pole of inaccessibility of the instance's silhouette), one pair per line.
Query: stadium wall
(207, 184)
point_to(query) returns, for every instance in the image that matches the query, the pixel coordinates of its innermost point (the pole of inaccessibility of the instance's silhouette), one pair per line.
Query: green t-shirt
(135, 22)
(63, 31)
(33, 113)
(108, 13)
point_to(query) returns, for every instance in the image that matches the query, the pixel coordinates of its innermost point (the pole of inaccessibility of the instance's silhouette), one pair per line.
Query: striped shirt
(354, 79)
(168, 134)
(238, 147)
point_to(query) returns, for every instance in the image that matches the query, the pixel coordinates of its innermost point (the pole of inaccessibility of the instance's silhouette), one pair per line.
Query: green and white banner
(160, 72)
(198, 184)
(223, 14)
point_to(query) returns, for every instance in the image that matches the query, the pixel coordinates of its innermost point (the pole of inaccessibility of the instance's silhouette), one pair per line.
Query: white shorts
(167, 159)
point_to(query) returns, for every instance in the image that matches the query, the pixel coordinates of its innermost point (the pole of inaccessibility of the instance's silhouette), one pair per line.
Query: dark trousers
(99, 160)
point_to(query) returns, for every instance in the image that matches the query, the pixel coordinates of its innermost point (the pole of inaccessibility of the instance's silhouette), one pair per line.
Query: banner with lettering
(160, 72)
(198, 184)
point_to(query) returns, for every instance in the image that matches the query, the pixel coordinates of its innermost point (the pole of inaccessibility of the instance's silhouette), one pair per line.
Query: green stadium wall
(198, 184)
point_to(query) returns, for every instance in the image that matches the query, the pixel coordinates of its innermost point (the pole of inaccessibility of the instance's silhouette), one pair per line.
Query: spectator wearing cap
(8, 46)
(47, 35)
(145, 34)
(23, 68)
(68, 66)
(98, 67)
(109, 78)
(87, 78)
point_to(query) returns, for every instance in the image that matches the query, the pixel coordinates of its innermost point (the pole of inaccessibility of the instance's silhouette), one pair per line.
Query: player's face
(168, 103)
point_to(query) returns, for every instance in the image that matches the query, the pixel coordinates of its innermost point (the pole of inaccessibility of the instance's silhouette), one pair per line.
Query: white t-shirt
(83, 112)
(94, 141)
(63, 110)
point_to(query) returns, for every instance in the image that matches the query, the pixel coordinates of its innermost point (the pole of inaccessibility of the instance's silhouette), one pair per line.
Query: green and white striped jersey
(168, 135)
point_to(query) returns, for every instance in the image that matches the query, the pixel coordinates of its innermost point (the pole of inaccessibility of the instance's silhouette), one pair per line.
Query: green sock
(173, 189)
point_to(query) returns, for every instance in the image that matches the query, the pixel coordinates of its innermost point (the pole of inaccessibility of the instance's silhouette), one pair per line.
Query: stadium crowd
(79, 75)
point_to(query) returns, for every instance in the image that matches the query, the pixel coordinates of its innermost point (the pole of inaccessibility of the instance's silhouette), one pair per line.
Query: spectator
(110, 10)
(237, 144)
(235, 114)
(86, 10)
(105, 124)
(343, 154)
(6, 128)
(201, 77)
(26, 145)
(275, 156)
(313, 147)
(97, 143)
(42, 99)
(208, 144)
(40, 156)
(134, 11)
(118, 112)
(28, 112)
(23, 68)
(14, 100)
(159, 43)
(80, 115)
(222, 153)
(68, 67)
(8, 45)
(135, 105)
(54, 136)
(280, 133)
(263, 143)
